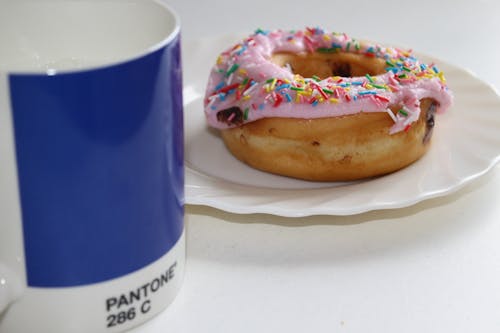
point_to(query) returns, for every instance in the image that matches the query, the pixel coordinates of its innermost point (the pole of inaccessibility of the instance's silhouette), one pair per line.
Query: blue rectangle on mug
(100, 169)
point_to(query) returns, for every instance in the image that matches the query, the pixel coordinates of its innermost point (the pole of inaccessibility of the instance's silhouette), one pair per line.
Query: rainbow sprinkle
(236, 83)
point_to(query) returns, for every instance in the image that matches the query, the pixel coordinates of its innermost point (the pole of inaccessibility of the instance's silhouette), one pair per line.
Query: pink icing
(245, 78)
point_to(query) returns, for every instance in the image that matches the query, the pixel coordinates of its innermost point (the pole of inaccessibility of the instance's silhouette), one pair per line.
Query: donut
(323, 106)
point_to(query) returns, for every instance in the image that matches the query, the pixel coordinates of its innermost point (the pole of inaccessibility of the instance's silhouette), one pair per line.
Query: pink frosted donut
(311, 77)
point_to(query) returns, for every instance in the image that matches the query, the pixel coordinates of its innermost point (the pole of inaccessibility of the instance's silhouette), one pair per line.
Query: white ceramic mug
(91, 164)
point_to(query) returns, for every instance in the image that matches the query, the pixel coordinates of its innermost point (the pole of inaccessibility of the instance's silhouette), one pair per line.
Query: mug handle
(11, 287)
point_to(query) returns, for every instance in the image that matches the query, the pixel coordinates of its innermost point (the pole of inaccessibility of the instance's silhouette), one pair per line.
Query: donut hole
(429, 106)
(324, 65)
(232, 116)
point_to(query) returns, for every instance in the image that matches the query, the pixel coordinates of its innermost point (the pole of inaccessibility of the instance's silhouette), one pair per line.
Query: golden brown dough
(331, 149)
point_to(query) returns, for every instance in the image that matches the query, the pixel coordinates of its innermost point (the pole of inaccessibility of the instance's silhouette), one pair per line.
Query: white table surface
(431, 267)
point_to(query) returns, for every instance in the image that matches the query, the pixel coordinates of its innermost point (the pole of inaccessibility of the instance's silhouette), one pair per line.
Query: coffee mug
(91, 164)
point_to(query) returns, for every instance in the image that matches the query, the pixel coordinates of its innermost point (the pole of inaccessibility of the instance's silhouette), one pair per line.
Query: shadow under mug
(91, 164)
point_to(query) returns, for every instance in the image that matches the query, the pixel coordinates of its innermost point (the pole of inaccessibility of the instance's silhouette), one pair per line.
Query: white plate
(466, 144)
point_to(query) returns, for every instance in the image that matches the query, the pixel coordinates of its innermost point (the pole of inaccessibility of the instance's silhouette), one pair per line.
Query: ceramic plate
(466, 144)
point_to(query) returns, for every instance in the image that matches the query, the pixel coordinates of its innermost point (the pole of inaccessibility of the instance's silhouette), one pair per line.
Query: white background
(432, 267)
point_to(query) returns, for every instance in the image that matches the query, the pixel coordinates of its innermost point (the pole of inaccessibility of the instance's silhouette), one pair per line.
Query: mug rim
(166, 40)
